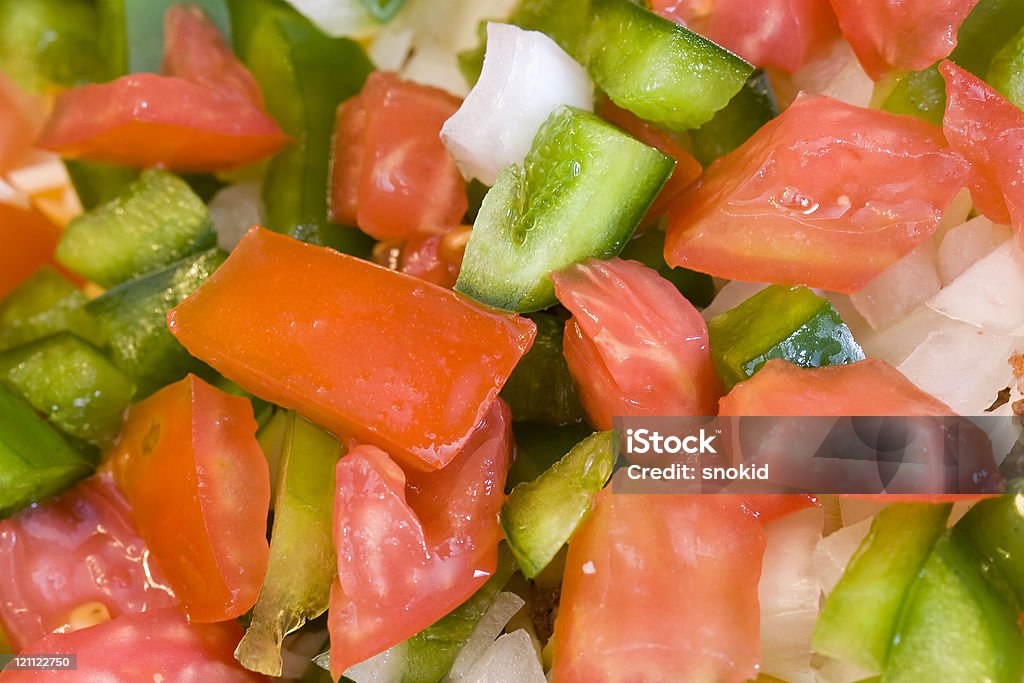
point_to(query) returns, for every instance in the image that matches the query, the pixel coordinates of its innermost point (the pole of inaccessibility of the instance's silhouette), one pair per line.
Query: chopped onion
(836, 73)
(895, 343)
(386, 667)
(338, 18)
(526, 76)
(234, 210)
(967, 243)
(788, 593)
(45, 182)
(955, 214)
(391, 50)
(962, 366)
(503, 608)
(510, 659)
(833, 553)
(989, 294)
(435, 66)
(453, 24)
(730, 296)
(900, 288)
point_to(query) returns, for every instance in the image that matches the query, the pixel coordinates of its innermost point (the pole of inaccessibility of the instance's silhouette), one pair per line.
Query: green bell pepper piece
(302, 563)
(996, 528)
(96, 183)
(540, 388)
(42, 305)
(540, 516)
(1006, 73)
(792, 323)
(35, 462)
(46, 43)
(539, 446)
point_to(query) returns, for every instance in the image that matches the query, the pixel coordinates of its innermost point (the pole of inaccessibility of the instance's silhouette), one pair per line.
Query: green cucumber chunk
(649, 249)
(132, 319)
(987, 28)
(304, 75)
(44, 43)
(956, 624)
(35, 462)
(792, 323)
(752, 107)
(96, 183)
(540, 388)
(995, 527)
(72, 383)
(540, 516)
(42, 305)
(132, 31)
(657, 69)
(539, 446)
(302, 563)
(859, 618)
(584, 187)
(1006, 73)
(155, 221)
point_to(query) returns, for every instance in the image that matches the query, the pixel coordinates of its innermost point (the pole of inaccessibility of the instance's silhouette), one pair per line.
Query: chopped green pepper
(97, 183)
(49, 42)
(540, 388)
(539, 446)
(42, 305)
(996, 528)
(1006, 74)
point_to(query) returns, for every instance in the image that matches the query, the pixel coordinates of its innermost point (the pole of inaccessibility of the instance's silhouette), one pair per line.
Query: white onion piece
(730, 296)
(833, 553)
(234, 210)
(838, 74)
(386, 667)
(989, 294)
(436, 66)
(854, 510)
(526, 76)
(453, 24)
(968, 243)
(955, 214)
(962, 366)
(510, 659)
(391, 50)
(338, 17)
(900, 288)
(503, 608)
(895, 343)
(788, 594)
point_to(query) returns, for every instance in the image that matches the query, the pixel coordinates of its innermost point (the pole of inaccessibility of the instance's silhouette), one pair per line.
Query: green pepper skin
(540, 388)
(752, 107)
(1006, 73)
(42, 305)
(996, 528)
(539, 446)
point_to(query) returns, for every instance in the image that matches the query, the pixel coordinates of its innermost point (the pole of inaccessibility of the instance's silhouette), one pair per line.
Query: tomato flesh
(188, 462)
(157, 645)
(75, 550)
(391, 175)
(635, 345)
(368, 353)
(662, 588)
(411, 545)
(826, 194)
(19, 115)
(901, 35)
(28, 240)
(989, 131)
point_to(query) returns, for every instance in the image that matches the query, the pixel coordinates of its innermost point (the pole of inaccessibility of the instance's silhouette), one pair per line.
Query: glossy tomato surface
(826, 194)
(157, 645)
(661, 588)
(635, 345)
(411, 545)
(188, 462)
(72, 559)
(391, 174)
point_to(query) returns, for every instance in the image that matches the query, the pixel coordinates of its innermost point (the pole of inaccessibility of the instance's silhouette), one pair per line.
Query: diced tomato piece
(391, 174)
(687, 168)
(368, 353)
(20, 113)
(826, 194)
(73, 558)
(661, 588)
(869, 387)
(989, 131)
(901, 35)
(188, 462)
(157, 645)
(782, 33)
(412, 546)
(772, 506)
(635, 345)
(428, 256)
(28, 239)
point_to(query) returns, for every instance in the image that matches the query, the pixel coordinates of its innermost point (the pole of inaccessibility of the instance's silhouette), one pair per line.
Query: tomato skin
(368, 353)
(78, 548)
(782, 33)
(801, 202)
(663, 588)
(391, 175)
(157, 645)
(901, 35)
(989, 131)
(411, 545)
(28, 240)
(188, 462)
(635, 345)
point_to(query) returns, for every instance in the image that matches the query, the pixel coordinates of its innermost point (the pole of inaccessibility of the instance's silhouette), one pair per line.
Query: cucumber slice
(752, 107)
(860, 616)
(71, 382)
(35, 462)
(155, 221)
(956, 625)
(657, 69)
(49, 42)
(44, 304)
(792, 323)
(540, 388)
(1006, 74)
(97, 183)
(539, 446)
(583, 189)
(540, 516)
(996, 528)
(132, 319)
(649, 249)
